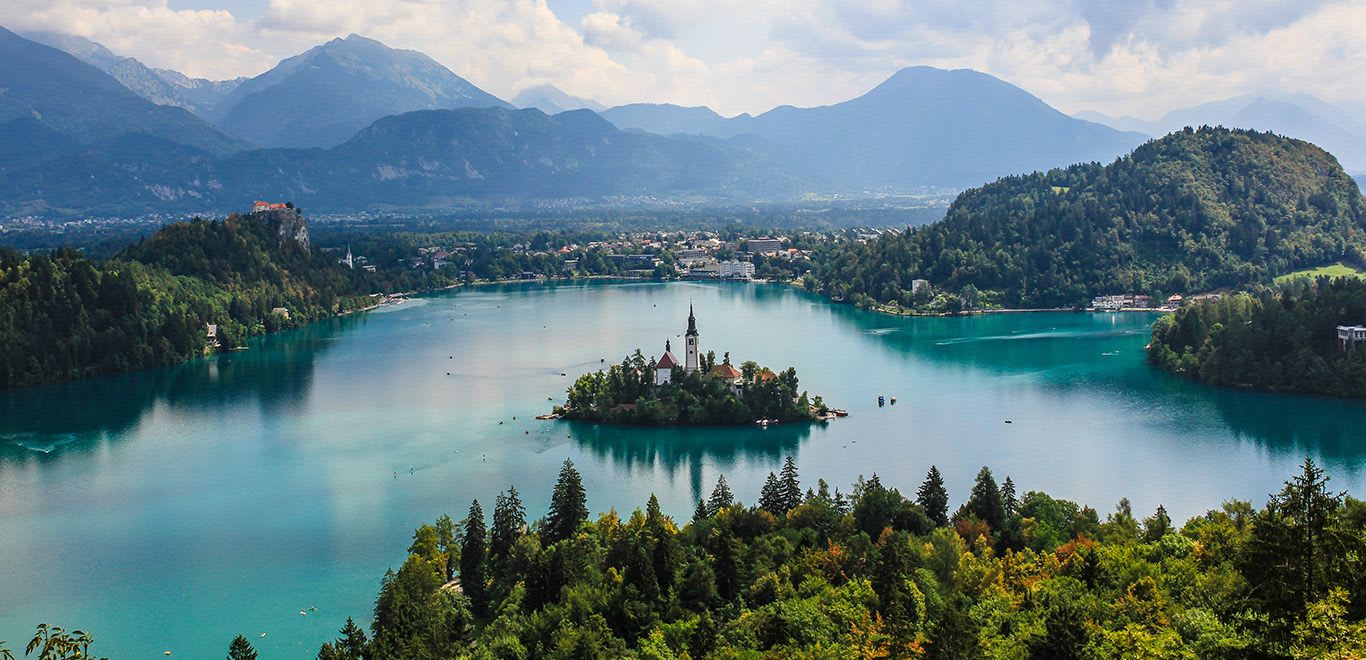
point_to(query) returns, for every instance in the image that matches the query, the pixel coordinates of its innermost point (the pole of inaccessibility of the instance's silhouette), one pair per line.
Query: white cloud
(1139, 57)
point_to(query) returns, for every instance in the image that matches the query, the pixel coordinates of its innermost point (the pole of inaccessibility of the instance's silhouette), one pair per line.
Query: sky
(1120, 57)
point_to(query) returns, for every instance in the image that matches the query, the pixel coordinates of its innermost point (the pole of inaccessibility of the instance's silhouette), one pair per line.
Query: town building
(1350, 335)
(349, 261)
(917, 285)
(764, 245)
(738, 270)
(261, 207)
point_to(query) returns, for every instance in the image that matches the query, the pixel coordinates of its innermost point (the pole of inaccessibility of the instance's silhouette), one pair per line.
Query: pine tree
(1008, 497)
(352, 645)
(509, 519)
(241, 649)
(701, 512)
(771, 497)
(721, 497)
(473, 552)
(568, 506)
(841, 503)
(933, 498)
(790, 488)
(985, 501)
(1298, 549)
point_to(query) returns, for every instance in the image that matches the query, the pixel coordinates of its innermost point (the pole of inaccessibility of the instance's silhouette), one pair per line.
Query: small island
(696, 391)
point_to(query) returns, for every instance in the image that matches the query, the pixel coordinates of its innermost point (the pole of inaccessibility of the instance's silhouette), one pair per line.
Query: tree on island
(626, 393)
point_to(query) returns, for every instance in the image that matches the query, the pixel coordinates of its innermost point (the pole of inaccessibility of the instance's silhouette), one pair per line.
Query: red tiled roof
(767, 375)
(667, 362)
(724, 370)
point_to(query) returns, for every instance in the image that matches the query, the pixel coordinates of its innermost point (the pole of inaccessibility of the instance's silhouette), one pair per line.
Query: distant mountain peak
(339, 87)
(552, 100)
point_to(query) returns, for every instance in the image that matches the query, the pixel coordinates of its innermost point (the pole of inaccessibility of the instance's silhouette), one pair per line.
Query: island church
(692, 359)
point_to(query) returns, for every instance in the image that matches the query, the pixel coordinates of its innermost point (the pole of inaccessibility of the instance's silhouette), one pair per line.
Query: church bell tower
(690, 359)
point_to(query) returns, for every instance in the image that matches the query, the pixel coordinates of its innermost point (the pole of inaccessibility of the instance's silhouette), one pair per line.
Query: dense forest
(64, 316)
(1278, 338)
(1189, 212)
(626, 394)
(816, 573)
(811, 573)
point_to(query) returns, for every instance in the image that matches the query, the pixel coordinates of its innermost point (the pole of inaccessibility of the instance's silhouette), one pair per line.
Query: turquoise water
(173, 509)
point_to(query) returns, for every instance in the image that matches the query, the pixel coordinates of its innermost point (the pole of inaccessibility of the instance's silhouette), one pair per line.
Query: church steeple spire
(692, 323)
(691, 355)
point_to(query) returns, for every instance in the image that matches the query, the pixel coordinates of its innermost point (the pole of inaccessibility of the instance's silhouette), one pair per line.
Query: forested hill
(64, 316)
(1192, 211)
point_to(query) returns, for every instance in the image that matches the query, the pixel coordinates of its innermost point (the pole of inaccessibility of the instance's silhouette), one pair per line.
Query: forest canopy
(1277, 338)
(875, 573)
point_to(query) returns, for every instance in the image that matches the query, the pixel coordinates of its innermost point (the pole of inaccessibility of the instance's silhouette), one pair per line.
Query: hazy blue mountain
(133, 74)
(923, 127)
(552, 100)
(50, 95)
(160, 86)
(668, 119)
(321, 97)
(1295, 115)
(422, 159)
(202, 94)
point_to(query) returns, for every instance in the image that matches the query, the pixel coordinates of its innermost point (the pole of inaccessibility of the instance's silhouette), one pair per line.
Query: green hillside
(64, 316)
(1192, 211)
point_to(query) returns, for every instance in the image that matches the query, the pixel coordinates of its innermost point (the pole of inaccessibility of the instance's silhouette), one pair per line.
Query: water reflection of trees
(1296, 425)
(275, 374)
(689, 448)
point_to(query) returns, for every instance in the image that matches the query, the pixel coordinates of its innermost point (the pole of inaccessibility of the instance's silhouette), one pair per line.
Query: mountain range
(54, 105)
(1299, 116)
(354, 125)
(923, 126)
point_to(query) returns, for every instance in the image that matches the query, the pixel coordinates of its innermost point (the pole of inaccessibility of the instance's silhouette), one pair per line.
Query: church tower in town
(690, 357)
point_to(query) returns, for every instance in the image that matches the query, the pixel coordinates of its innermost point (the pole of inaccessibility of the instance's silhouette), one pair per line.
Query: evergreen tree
(701, 512)
(841, 503)
(473, 552)
(663, 546)
(934, 498)
(985, 502)
(1008, 497)
(241, 649)
(1298, 549)
(352, 645)
(721, 497)
(568, 506)
(509, 519)
(771, 497)
(790, 488)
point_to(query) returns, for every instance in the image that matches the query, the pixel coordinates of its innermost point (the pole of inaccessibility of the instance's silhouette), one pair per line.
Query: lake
(175, 508)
